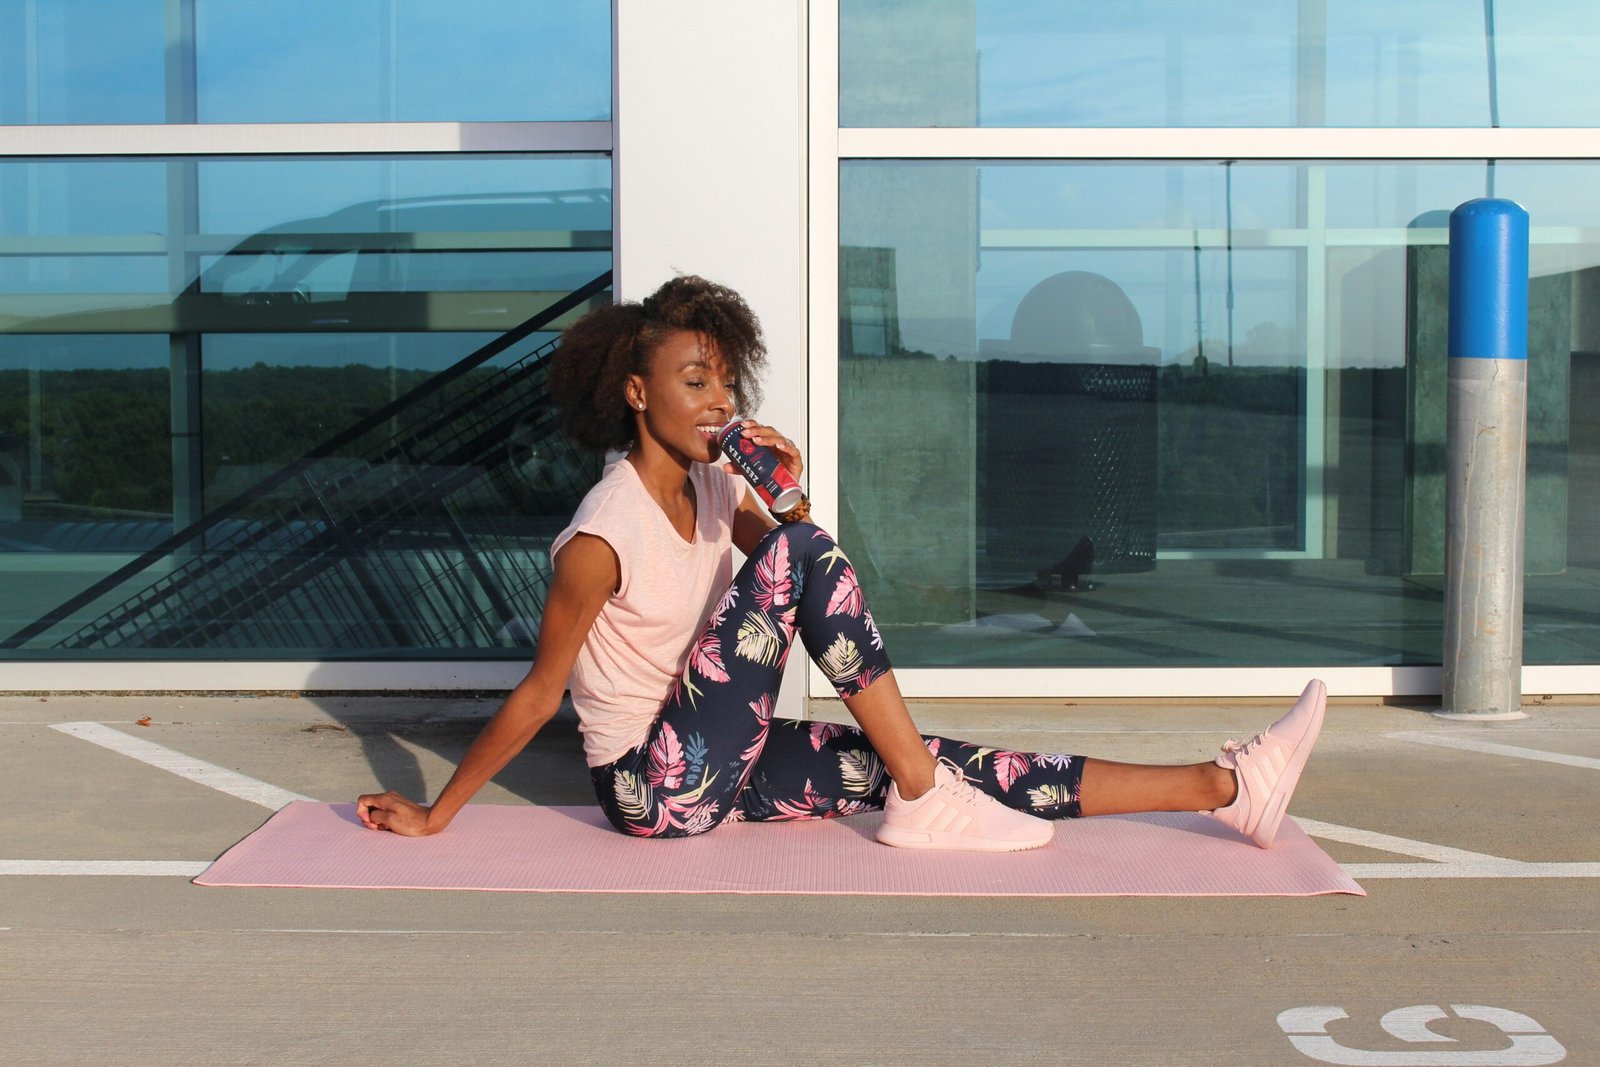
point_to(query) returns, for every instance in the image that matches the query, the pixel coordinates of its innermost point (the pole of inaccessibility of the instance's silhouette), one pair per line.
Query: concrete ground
(1476, 844)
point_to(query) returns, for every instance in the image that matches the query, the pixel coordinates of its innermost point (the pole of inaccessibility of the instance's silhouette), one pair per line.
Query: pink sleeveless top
(668, 586)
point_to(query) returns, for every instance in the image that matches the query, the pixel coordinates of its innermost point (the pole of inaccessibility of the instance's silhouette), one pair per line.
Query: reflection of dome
(1076, 312)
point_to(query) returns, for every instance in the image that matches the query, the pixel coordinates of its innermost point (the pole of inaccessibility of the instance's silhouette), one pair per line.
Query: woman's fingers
(376, 809)
(364, 806)
(392, 812)
(788, 451)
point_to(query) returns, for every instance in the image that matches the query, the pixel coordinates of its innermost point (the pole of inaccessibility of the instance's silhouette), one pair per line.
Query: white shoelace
(1242, 749)
(962, 787)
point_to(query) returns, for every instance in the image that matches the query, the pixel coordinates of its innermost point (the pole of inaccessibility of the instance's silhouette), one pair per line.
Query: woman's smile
(688, 396)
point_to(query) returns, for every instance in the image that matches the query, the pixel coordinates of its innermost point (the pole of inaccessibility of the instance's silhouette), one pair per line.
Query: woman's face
(687, 396)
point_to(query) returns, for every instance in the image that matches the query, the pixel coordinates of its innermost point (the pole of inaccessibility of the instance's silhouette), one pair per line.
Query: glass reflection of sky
(248, 196)
(104, 61)
(400, 60)
(105, 351)
(403, 351)
(90, 61)
(1203, 63)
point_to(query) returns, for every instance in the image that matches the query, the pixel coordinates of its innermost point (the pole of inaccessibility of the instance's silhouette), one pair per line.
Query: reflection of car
(481, 262)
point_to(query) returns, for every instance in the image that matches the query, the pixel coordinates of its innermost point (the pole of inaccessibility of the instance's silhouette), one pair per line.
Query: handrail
(296, 467)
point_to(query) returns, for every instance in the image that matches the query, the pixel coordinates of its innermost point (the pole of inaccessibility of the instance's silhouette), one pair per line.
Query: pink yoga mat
(573, 850)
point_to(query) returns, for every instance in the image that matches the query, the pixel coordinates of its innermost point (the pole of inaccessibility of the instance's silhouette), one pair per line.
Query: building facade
(1115, 336)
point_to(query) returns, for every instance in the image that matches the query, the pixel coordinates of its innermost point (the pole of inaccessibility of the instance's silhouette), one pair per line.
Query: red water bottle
(761, 466)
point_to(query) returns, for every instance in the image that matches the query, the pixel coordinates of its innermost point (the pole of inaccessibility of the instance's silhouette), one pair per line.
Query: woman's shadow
(398, 732)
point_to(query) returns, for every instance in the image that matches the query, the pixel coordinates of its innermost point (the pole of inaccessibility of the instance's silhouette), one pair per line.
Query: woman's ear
(633, 392)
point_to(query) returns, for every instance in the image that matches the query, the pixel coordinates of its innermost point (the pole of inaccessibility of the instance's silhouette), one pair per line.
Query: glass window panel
(1162, 424)
(123, 61)
(85, 463)
(84, 61)
(1194, 63)
(165, 350)
(462, 61)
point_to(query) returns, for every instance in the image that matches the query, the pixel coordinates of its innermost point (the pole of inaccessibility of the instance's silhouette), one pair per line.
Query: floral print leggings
(714, 753)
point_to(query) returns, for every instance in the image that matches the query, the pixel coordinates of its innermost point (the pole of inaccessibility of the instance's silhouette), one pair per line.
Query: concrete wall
(710, 139)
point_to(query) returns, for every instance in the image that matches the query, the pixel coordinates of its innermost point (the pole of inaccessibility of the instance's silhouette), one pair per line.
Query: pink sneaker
(955, 814)
(1267, 767)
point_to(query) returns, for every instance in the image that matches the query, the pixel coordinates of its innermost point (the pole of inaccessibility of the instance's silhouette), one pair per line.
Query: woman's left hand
(788, 452)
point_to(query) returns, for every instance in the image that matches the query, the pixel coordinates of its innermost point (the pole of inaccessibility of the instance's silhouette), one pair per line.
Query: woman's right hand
(393, 812)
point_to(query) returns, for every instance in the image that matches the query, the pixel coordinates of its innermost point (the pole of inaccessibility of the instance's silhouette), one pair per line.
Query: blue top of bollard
(1488, 280)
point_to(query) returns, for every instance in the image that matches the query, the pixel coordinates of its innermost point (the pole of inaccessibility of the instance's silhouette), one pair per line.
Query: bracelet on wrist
(799, 513)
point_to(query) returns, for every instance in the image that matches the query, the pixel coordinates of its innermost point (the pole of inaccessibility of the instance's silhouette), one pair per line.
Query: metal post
(1486, 461)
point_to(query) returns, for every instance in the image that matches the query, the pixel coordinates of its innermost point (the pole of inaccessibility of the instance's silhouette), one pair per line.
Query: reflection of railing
(407, 544)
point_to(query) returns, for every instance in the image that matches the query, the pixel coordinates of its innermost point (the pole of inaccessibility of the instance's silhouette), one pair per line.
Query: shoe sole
(927, 839)
(1278, 803)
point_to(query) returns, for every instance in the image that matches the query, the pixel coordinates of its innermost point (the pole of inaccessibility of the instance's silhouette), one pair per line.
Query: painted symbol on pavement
(1307, 1029)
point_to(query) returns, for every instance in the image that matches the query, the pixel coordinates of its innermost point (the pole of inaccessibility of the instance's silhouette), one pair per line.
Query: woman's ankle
(1223, 785)
(913, 784)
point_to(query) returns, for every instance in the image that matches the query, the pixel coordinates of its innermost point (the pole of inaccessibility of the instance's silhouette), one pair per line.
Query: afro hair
(599, 351)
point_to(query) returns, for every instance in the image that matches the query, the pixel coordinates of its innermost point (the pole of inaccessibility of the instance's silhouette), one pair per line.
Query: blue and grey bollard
(1486, 461)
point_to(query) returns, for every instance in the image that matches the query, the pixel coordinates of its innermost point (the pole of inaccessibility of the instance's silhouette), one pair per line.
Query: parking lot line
(145, 868)
(1362, 872)
(1403, 846)
(1492, 748)
(1446, 862)
(195, 770)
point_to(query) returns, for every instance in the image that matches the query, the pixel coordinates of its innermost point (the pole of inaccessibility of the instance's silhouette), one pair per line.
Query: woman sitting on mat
(674, 662)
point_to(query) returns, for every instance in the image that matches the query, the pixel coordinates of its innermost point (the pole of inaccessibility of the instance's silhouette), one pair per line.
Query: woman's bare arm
(586, 573)
(750, 524)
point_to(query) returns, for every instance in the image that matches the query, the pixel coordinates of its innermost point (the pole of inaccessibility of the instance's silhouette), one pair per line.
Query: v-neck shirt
(666, 589)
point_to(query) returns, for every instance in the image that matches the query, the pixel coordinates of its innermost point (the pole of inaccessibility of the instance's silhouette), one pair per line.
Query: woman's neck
(665, 476)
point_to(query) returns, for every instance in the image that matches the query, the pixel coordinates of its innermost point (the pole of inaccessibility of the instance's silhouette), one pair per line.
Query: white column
(710, 129)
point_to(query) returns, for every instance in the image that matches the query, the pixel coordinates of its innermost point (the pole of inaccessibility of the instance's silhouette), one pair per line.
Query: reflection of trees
(105, 435)
(272, 415)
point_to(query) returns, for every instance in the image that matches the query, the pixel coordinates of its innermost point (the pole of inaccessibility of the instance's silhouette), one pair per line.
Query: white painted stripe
(368, 930)
(196, 770)
(1363, 872)
(141, 868)
(1404, 846)
(1187, 683)
(1178, 684)
(224, 676)
(1492, 748)
(1489, 868)
(1174, 683)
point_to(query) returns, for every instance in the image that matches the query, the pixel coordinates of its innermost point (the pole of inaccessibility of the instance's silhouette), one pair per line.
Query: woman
(674, 663)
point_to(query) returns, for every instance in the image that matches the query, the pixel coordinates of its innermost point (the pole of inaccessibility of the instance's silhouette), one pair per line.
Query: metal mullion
(307, 139)
(1217, 143)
